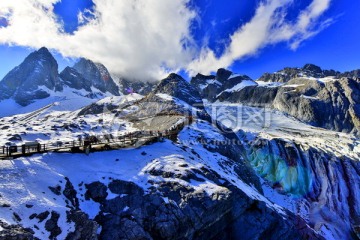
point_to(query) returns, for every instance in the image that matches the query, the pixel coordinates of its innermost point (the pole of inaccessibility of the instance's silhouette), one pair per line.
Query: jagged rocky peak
(29, 81)
(355, 74)
(328, 103)
(98, 74)
(211, 86)
(74, 79)
(222, 75)
(312, 68)
(200, 79)
(176, 86)
(308, 70)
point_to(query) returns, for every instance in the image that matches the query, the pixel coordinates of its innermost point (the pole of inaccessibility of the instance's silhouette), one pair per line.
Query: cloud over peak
(268, 26)
(146, 39)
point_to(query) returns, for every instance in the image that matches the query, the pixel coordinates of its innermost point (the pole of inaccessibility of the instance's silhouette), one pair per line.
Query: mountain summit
(308, 70)
(210, 86)
(29, 81)
(37, 78)
(98, 75)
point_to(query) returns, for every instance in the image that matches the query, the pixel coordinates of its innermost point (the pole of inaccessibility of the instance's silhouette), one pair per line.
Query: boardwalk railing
(91, 143)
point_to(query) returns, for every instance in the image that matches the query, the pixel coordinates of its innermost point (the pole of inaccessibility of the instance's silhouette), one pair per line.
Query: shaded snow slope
(67, 100)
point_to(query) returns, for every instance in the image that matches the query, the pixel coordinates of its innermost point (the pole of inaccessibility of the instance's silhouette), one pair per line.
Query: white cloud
(145, 39)
(133, 38)
(268, 26)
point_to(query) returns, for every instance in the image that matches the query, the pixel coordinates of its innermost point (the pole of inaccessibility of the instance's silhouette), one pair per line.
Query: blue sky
(157, 36)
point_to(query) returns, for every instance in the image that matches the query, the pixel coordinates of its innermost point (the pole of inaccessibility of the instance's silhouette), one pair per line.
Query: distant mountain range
(286, 180)
(323, 98)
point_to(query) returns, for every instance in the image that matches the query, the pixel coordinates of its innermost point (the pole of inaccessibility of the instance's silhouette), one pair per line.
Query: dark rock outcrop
(332, 104)
(96, 191)
(211, 86)
(124, 187)
(355, 74)
(42, 216)
(15, 232)
(175, 86)
(84, 227)
(175, 211)
(251, 95)
(51, 225)
(74, 79)
(56, 190)
(70, 193)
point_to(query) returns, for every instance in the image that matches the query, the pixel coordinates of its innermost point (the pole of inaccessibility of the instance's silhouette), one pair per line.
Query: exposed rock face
(70, 193)
(200, 79)
(329, 184)
(174, 85)
(98, 75)
(331, 104)
(309, 70)
(74, 79)
(189, 214)
(15, 232)
(84, 227)
(124, 187)
(210, 86)
(355, 74)
(96, 191)
(42, 216)
(251, 95)
(51, 225)
(29, 81)
(37, 78)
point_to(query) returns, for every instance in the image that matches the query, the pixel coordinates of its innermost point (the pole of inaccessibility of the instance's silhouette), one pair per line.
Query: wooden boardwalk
(99, 143)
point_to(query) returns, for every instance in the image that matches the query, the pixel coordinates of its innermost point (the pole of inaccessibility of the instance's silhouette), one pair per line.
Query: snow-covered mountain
(36, 83)
(274, 118)
(98, 75)
(307, 71)
(31, 79)
(230, 169)
(210, 86)
(310, 171)
(189, 187)
(309, 94)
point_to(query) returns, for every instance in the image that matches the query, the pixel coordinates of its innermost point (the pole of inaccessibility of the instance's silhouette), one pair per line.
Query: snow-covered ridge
(243, 84)
(118, 100)
(269, 84)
